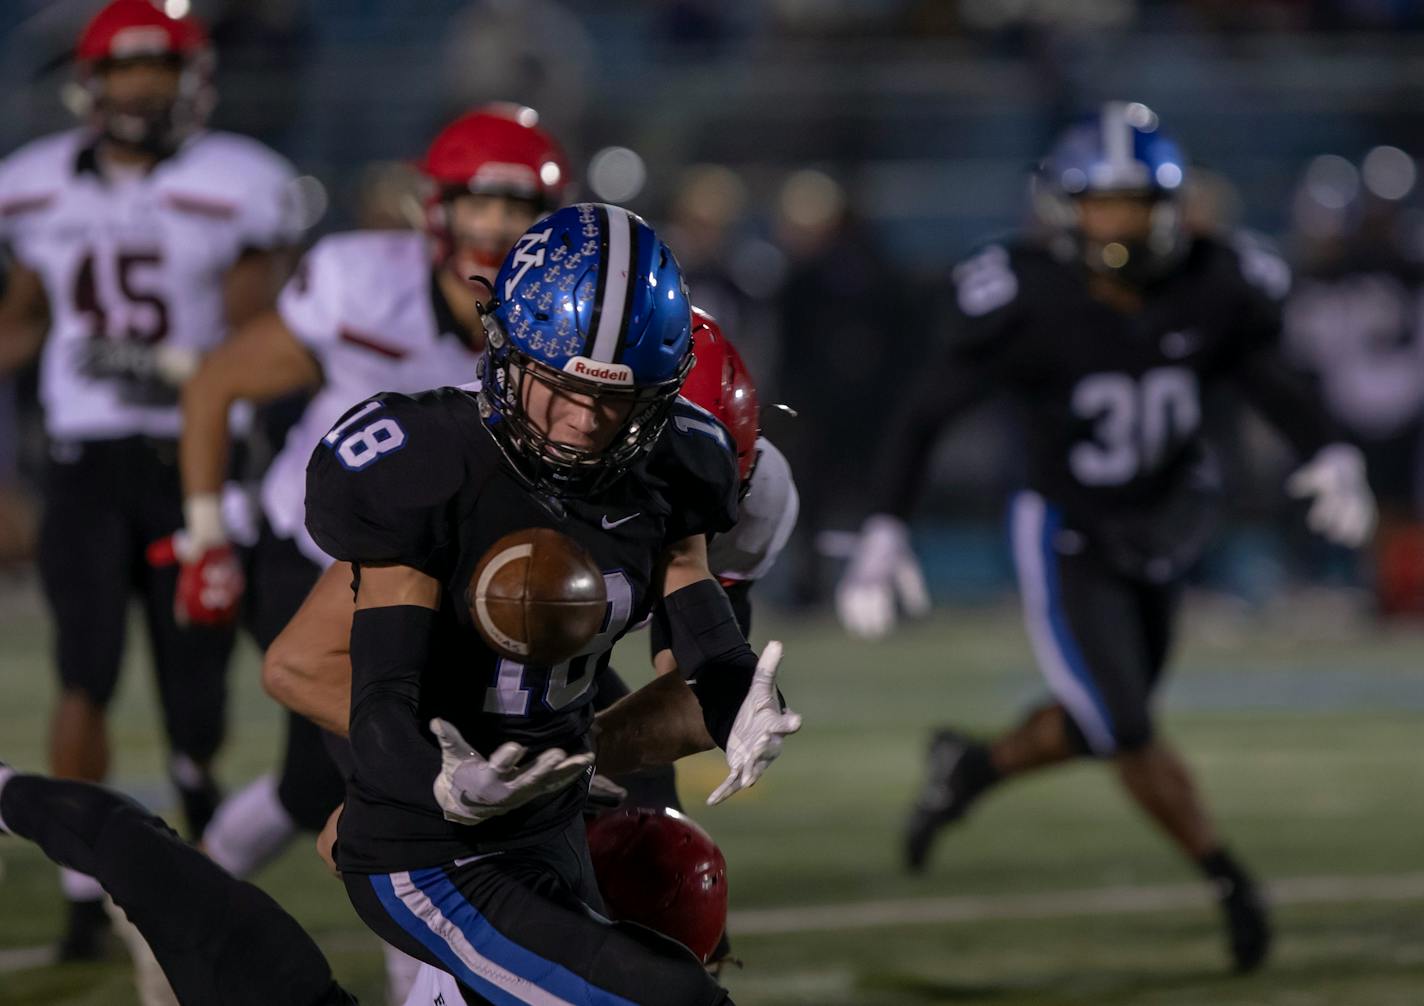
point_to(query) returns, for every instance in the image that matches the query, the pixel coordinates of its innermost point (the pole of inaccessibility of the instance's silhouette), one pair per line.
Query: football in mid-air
(537, 597)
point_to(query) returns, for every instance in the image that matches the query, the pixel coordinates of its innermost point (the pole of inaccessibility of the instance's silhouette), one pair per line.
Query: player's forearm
(308, 666)
(315, 686)
(204, 443)
(1289, 402)
(656, 725)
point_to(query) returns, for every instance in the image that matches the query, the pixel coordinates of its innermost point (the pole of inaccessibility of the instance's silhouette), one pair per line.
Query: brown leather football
(537, 597)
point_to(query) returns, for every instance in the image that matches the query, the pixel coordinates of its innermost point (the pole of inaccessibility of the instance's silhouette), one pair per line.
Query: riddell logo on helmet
(592, 370)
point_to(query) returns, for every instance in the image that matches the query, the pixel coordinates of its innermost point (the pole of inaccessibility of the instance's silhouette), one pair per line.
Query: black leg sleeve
(220, 941)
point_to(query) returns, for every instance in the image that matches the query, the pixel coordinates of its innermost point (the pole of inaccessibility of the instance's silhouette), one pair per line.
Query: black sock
(975, 772)
(1221, 868)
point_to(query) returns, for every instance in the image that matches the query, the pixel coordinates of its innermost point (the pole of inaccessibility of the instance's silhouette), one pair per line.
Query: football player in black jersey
(446, 852)
(218, 940)
(1106, 335)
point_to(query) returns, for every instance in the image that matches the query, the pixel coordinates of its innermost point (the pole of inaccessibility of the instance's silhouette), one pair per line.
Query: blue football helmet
(590, 302)
(1118, 151)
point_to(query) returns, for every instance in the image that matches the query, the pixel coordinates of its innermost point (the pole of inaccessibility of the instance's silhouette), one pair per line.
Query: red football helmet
(720, 383)
(657, 868)
(497, 149)
(137, 30)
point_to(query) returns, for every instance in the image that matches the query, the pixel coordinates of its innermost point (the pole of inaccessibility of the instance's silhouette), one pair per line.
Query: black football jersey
(1110, 401)
(420, 481)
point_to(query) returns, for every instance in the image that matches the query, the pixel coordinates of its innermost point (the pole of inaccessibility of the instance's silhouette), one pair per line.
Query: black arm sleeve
(1288, 400)
(739, 595)
(711, 652)
(1284, 395)
(944, 392)
(973, 354)
(394, 755)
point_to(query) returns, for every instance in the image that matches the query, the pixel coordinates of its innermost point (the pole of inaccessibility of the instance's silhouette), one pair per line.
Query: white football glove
(1342, 508)
(755, 740)
(471, 788)
(883, 570)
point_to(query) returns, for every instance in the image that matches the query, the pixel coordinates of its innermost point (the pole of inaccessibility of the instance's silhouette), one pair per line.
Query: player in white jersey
(366, 312)
(138, 241)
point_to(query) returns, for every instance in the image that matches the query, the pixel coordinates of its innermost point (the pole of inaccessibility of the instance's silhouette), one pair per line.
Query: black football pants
(1101, 639)
(221, 941)
(105, 501)
(521, 926)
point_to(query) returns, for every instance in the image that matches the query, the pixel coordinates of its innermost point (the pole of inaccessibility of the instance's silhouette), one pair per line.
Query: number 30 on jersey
(1135, 420)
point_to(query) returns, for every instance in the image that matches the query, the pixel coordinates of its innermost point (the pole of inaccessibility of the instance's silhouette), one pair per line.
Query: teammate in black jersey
(1106, 335)
(576, 425)
(219, 941)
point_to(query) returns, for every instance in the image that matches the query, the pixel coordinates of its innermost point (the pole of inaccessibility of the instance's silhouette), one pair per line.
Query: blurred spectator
(262, 48)
(848, 343)
(733, 277)
(532, 51)
(389, 196)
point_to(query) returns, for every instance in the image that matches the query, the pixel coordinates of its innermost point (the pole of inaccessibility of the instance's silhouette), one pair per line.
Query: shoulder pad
(39, 167)
(986, 281)
(384, 484)
(695, 466)
(260, 185)
(353, 280)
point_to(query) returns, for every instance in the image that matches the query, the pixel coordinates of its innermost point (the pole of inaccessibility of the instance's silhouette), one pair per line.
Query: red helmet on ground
(720, 383)
(657, 868)
(143, 30)
(497, 150)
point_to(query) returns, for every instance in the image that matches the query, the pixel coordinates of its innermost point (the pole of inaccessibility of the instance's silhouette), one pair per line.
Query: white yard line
(1059, 904)
(971, 908)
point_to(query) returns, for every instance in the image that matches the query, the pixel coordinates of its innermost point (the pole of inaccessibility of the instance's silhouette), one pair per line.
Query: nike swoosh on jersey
(609, 525)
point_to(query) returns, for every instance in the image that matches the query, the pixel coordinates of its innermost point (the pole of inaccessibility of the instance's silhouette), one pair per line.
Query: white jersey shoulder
(370, 285)
(765, 520)
(364, 304)
(236, 178)
(434, 987)
(39, 167)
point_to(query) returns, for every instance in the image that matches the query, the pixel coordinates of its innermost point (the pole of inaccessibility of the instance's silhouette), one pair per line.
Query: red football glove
(210, 583)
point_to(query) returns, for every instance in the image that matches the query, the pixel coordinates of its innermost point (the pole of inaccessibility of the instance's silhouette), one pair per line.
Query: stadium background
(820, 165)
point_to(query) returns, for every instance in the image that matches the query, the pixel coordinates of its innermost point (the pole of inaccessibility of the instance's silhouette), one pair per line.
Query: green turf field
(1056, 892)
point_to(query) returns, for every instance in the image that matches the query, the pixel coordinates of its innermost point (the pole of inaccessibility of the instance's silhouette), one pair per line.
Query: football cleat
(943, 800)
(1248, 925)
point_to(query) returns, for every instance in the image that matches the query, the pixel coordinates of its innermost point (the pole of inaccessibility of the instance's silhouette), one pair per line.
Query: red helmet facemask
(720, 383)
(133, 30)
(657, 868)
(495, 150)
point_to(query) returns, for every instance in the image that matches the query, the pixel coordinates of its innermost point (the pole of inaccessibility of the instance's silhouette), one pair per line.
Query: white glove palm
(882, 571)
(755, 740)
(471, 788)
(1342, 508)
